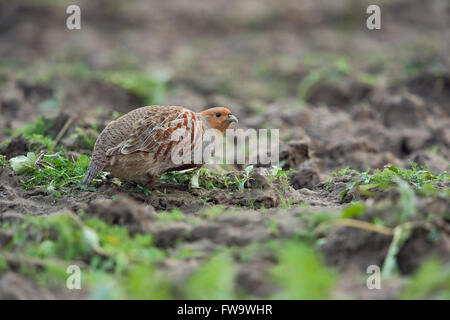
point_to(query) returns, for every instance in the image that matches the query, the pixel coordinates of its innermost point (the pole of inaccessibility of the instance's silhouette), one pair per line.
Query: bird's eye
(217, 114)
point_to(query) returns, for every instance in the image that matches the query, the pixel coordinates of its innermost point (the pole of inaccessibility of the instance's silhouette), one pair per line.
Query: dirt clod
(123, 211)
(16, 147)
(13, 286)
(294, 154)
(306, 176)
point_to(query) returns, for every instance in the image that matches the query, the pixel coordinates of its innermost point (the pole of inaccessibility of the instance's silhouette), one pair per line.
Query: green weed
(152, 88)
(214, 280)
(345, 171)
(431, 281)
(334, 72)
(52, 171)
(85, 140)
(386, 178)
(37, 135)
(302, 274)
(45, 246)
(218, 180)
(168, 216)
(353, 210)
(39, 127)
(3, 160)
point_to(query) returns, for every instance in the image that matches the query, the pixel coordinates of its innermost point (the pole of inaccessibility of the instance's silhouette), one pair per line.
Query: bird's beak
(232, 118)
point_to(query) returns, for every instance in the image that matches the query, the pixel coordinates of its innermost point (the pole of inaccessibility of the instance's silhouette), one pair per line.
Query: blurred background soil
(340, 94)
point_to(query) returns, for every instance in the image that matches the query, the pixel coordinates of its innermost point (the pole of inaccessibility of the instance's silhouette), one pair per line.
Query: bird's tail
(92, 171)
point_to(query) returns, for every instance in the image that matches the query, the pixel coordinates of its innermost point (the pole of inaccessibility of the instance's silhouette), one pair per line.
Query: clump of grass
(51, 171)
(83, 139)
(219, 180)
(302, 274)
(353, 210)
(213, 212)
(280, 173)
(408, 183)
(45, 246)
(214, 280)
(431, 281)
(333, 72)
(177, 177)
(206, 179)
(345, 171)
(169, 216)
(176, 215)
(37, 135)
(152, 88)
(419, 178)
(147, 283)
(39, 142)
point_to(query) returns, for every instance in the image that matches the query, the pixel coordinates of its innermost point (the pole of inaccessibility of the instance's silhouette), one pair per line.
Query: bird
(139, 145)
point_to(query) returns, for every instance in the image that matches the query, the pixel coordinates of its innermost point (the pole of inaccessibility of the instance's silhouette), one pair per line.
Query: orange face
(219, 118)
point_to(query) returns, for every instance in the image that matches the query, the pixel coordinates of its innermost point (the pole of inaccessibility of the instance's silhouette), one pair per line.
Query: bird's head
(219, 118)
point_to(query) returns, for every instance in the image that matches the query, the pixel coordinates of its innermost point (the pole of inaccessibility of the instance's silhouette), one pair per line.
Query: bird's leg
(194, 183)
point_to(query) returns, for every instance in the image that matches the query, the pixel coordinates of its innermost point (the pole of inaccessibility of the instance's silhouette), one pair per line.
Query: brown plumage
(137, 146)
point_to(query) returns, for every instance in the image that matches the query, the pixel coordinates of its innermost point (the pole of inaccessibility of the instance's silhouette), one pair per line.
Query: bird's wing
(153, 133)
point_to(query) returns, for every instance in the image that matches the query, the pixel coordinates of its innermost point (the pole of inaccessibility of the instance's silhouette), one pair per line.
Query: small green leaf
(392, 168)
(83, 162)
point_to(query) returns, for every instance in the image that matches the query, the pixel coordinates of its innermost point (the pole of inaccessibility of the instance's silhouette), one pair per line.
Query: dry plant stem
(356, 224)
(64, 130)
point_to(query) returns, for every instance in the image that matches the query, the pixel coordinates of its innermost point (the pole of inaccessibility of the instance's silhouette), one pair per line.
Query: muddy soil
(378, 98)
